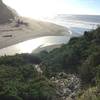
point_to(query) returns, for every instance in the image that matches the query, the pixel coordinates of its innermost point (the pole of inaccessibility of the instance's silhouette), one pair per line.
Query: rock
(67, 85)
(38, 69)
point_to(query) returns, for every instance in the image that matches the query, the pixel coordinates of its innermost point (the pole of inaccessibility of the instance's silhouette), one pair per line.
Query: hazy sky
(45, 8)
(85, 6)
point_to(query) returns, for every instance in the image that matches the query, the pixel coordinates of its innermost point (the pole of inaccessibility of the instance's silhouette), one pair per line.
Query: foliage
(19, 59)
(20, 81)
(80, 56)
(90, 94)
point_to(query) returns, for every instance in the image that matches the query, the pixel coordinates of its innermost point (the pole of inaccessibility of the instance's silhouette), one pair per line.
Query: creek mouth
(30, 45)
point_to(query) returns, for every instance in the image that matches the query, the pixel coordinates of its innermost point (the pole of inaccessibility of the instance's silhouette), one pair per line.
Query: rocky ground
(67, 86)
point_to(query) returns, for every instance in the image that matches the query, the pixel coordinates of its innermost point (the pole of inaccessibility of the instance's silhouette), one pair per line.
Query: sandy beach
(11, 34)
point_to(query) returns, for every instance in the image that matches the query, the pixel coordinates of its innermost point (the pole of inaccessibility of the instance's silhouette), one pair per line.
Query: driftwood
(7, 36)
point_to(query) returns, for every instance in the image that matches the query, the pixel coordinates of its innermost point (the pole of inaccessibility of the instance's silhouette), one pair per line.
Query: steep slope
(5, 13)
(80, 59)
(81, 56)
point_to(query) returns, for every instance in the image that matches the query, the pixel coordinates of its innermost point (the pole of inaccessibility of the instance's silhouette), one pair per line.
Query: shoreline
(10, 35)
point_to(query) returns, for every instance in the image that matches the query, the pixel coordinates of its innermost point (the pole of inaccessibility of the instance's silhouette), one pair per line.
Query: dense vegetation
(19, 79)
(81, 56)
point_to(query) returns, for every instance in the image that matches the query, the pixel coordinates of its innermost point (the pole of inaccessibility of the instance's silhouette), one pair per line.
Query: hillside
(5, 13)
(79, 52)
(80, 57)
(71, 72)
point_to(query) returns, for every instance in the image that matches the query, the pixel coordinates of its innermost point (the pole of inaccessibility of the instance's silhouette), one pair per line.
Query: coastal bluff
(5, 13)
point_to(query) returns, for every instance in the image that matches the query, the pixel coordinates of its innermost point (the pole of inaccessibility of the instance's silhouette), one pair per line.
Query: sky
(48, 8)
(85, 6)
